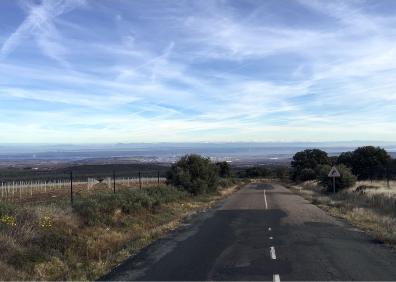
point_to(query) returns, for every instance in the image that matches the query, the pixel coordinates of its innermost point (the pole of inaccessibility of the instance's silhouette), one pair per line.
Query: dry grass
(372, 207)
(53, 242)
(377, 187)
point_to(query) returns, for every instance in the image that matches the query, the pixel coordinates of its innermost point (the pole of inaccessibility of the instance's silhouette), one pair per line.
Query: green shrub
(307, 174)
(100, 208)
(89, 210)
(166, 194)
(27, 258)
(194, 174)
(346, 180)
(226, 182)
(281, 172)
(224, 169)
(308, 159)
(7, 209)
(257, 172)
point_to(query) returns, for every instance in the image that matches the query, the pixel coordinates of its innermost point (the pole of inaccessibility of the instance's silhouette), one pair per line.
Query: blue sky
(75, 71)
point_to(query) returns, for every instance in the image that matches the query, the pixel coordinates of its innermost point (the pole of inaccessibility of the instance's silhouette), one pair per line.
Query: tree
(308, 159)
(345, 158)
(346, 180)
(282, 172)
(224, 169)
(370, 162)
(307, 174)
(257, 171)
(194, 174)
(392, 170)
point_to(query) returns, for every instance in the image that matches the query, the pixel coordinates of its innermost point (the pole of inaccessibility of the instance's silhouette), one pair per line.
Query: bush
(7, 209)
(194, 174)
(226, 182)
(307, 174)
(346, 180)
(257, 171)
(282, 172)
(100, 208)
(224, 169)
(308, 159)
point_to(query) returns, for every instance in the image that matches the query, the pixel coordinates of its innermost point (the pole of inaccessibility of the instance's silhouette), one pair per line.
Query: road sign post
(334, 173)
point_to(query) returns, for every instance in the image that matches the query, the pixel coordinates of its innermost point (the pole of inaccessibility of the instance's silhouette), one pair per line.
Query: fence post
(114, 181)
(140, 180)
(71, 187)
(158, 175)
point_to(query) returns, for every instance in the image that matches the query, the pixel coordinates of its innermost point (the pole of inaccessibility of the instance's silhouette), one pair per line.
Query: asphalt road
(262, 232)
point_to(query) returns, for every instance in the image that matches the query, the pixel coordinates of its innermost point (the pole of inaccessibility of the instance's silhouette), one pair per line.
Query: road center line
(265, 200)
(271, 238)
(272, 252)
(269, 229)
(276, 278)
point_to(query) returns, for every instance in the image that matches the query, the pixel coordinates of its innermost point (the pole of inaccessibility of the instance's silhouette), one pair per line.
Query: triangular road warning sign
(334, 172)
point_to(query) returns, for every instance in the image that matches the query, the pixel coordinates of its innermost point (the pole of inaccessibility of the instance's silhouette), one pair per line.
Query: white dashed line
(269, 229)
(272, 252)
(276, 278)
(271, 238)
(265, 200)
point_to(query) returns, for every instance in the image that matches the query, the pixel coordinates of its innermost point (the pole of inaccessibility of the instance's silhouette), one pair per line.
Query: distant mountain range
(169, 152)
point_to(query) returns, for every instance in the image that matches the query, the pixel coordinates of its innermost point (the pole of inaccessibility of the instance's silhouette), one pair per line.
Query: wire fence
(33, 190)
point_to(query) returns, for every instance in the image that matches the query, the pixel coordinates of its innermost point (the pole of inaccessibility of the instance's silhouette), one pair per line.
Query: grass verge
(55, 241)
(373, 213)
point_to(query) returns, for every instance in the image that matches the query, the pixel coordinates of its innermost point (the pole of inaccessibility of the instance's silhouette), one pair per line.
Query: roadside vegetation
(366, 190)
(281, 172)
(57, 241)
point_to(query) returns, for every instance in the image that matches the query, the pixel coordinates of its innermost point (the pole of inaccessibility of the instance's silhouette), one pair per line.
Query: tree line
(364, 163)
(197, 174)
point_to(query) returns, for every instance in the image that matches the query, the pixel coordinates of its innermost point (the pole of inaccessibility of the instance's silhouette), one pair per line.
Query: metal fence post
(114, 182)
(71, 187)
(140, 180)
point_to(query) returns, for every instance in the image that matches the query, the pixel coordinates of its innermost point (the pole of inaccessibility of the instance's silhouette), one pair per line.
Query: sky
(118, 71)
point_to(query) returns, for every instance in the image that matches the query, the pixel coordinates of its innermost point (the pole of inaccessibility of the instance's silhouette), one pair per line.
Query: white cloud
(39, 24)
(152, 86)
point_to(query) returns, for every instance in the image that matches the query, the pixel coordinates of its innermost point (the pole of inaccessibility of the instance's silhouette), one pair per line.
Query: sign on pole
(334, 173)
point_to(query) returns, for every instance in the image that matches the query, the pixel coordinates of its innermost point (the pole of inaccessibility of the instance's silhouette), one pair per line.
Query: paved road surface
(262, 232)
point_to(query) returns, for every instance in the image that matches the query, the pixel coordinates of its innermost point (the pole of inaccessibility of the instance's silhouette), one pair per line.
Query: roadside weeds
(55, 242)
(374, 214)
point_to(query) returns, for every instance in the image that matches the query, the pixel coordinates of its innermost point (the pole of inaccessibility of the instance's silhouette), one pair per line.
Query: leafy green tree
(333, 160)
(257, 171)
(346, 180)
(345, 158)
(194, 174)
(224, 169)
(370, 162)
(281, 172)
(308, 159)
(393, 169)
(307, 174)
